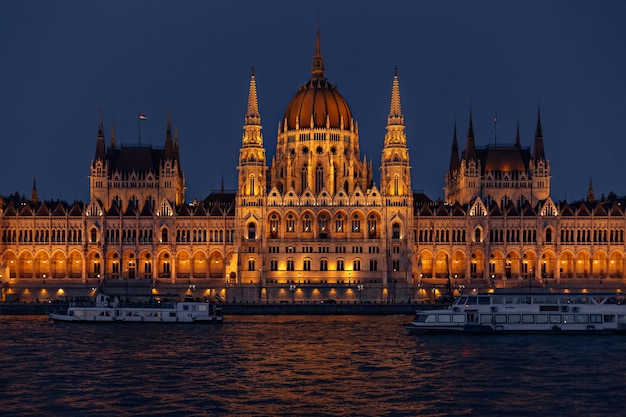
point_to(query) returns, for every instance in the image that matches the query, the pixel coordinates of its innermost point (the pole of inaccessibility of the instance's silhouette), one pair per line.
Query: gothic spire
(590, 196)
(253, 116)
(112, 144)
(169, 145)
(538, 151)
(100, 151)
(470, 146)
(454, 156)
(318, 61)
(34, 198)
(395, 113)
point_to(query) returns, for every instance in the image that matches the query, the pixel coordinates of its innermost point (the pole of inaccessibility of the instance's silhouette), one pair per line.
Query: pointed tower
(396, 191)
(539, 165)
(395, 168)
(252, 164)
(171, 178)
(34, 198)
(464, 184)
(98, 182)
(590, 197)
(251, 192)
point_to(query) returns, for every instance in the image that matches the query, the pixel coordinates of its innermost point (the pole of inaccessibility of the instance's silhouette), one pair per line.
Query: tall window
(251, 231)
(373, 265)
(290, 265)
(356, 224)
(319, 178)
(324, 265)
(306, 265)
(356, 265)
(250, 264)
(340, 266)
(251, 189)
(290, 223)
(396, 188)
(273, 264)
(306, 223)
(395, 231)
(339, 223)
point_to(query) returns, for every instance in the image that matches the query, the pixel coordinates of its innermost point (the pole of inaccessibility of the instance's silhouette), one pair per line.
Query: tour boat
(110, 309)
(527, 313)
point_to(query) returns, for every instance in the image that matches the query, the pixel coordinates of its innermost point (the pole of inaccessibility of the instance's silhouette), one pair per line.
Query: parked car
(328, 301)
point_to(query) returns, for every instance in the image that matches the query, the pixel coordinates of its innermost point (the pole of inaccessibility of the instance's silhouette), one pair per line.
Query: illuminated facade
(312, 223)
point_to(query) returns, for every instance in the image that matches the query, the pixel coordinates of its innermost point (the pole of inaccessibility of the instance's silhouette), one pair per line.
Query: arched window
(250, 264)
(164, 238)
(94, 235)
(548, 235)
(477, 235)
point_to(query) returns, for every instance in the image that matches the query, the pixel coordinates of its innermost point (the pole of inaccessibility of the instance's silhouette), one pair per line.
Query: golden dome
(318, 101)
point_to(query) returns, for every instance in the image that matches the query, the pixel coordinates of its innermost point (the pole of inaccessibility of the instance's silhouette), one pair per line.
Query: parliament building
(313, 223)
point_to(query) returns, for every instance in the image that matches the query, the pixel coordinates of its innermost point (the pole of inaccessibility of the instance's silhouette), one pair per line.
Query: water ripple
(300, 365)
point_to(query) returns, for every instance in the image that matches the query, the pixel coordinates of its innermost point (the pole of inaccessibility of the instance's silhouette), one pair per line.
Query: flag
(143, 116)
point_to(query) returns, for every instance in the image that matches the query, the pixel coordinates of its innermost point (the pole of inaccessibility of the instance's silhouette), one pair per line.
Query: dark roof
(138, 158)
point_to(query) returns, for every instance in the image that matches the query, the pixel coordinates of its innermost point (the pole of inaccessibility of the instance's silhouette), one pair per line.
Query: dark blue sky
(61, 62)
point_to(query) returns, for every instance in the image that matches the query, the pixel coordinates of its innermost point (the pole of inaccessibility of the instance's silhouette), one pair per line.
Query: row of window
(42, 236)
(323, 265)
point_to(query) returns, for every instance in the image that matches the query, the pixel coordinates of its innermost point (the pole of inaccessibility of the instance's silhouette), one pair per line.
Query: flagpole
(139, 127)
(495, 129)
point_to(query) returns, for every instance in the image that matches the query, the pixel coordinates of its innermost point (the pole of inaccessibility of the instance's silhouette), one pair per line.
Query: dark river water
(302, 365)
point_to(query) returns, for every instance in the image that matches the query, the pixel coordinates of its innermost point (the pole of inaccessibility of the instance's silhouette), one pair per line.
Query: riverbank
(255, 309)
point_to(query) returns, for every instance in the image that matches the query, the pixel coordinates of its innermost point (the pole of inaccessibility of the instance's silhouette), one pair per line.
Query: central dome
(318, 104)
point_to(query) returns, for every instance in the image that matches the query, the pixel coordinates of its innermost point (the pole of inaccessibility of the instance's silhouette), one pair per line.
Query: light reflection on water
(301, 365)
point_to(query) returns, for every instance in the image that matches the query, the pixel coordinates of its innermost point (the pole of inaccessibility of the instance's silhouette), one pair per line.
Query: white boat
(110, 309)
(527, 313)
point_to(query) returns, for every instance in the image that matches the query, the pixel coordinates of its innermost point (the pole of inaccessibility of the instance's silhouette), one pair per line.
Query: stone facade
(312, 224)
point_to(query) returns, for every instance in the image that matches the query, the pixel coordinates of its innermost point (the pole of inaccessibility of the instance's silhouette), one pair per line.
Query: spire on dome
(538, 151)
(395, 113)
(252, 115)
(318, 61)
(470, 146)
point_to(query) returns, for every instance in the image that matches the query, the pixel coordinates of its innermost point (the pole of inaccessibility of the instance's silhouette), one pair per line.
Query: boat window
(486, 318)
(581, 300)
(609, 318)
(508, 300)
(555, 318)
(431, 318)
(497, 300)
(568, 318)
(499, 318)
(458, 318)
(515, 318)
(444, 318)
(541, 318)
(484, 300)
(471, 301)
(528, 318)
(595, 318)
(582, 318)
(421, 318)
(461, 300)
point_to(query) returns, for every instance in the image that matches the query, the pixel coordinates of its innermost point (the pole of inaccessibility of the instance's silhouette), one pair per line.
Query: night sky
(62, 62)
